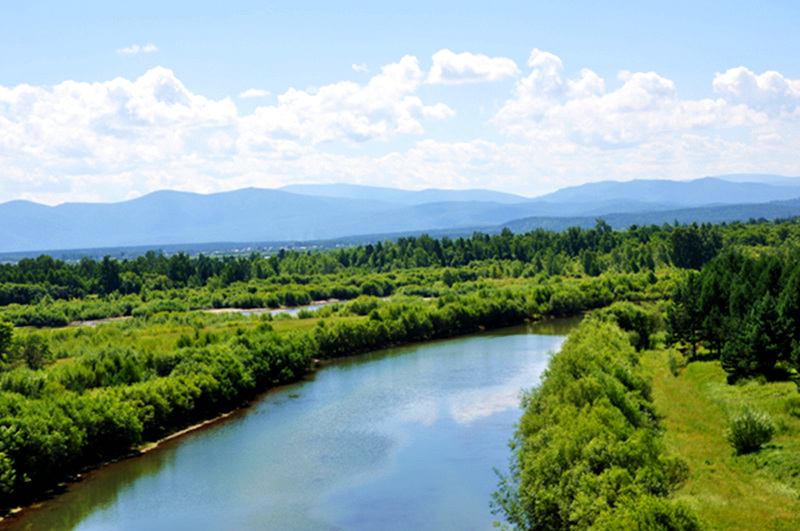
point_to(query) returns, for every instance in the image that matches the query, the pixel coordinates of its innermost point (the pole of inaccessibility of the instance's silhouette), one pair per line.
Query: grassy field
(760, 490)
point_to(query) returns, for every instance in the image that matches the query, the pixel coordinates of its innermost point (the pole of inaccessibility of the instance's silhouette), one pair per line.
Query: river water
(403, 438)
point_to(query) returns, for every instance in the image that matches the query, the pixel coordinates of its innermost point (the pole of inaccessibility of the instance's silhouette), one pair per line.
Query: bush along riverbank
(588, 453)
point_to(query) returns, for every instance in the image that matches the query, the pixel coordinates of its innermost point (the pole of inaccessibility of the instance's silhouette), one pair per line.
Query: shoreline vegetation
(72, 397)
(588, 452)
(134, 453)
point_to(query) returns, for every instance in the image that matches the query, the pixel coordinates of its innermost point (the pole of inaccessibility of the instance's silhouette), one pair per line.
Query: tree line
(595, 250)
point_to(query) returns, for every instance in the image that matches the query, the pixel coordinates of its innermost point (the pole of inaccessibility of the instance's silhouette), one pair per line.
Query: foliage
(745, 310)
(638, 322)
(749, 430)
(693, 245)
(588, 451)
(128, 381)
(6, 333)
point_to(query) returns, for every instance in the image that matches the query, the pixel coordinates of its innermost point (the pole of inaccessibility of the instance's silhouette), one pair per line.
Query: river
(404, 438)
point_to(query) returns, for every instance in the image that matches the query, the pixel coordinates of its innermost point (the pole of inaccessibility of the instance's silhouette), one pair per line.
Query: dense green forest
(744, 308)
(74, 396)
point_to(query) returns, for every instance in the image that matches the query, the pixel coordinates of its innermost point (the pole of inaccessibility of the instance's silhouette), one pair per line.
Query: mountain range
(298, 213)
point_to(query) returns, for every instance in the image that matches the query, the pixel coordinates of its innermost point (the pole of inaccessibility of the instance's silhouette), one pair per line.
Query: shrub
(749, 430)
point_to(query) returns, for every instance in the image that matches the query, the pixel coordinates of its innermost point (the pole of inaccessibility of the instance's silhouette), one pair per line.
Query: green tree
(591, 265)
(684, 314)
(180, 269)
(762, 340)
(108, 275)
(34, 351)
(633, 319)
(693, 246)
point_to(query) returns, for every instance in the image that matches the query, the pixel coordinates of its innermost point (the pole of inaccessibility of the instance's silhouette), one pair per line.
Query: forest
(98, 358)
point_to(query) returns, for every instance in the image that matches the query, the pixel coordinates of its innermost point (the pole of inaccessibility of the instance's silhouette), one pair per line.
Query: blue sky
(106, 102)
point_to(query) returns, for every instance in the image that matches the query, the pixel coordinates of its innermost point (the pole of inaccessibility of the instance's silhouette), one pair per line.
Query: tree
(716, 282)
(684, 315)
(633, 319)
(762, 340)
(789, 303)
(108, 275)
(33, 350)
(179, 268)
(693, 246)
(591, 265)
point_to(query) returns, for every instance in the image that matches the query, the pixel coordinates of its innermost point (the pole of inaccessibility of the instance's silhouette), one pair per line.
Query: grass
(760, 490)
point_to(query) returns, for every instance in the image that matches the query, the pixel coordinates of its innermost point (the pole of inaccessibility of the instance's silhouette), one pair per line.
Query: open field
(754, 491)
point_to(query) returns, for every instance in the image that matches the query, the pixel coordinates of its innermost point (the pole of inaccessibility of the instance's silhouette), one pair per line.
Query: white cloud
(360, 68)
(769, 92)
(121, 138)
(136, 49)
(451, 68)
(254, 93)
(645, 108)
(588, 84)
(102, 133)
(346, 111)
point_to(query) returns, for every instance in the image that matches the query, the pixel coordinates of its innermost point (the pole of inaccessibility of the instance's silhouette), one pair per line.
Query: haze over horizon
(103, 102)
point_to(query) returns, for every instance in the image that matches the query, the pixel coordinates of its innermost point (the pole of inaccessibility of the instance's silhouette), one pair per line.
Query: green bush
(648, 513)
(749, 430)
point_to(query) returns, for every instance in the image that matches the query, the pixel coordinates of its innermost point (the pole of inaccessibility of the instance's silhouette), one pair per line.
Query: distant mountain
(406, 197)
(623, 220)
(762, 178)
(325, 212)
(169, 217)
(705, 191)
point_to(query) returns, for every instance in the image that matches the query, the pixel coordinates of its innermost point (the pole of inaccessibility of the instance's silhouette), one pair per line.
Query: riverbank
(123, 385)
(587, 452)
(305, 451)
(283, 309)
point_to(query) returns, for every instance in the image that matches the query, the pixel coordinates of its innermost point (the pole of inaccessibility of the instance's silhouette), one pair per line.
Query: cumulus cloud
(547, 106)
(127, 137)
(136, 49)
(452, 68)
(85, 132)
(383, 108)
(769, 92)
(254, 93)
(360, 68)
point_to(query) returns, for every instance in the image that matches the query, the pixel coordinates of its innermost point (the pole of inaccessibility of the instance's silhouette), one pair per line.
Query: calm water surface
(403, 438)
